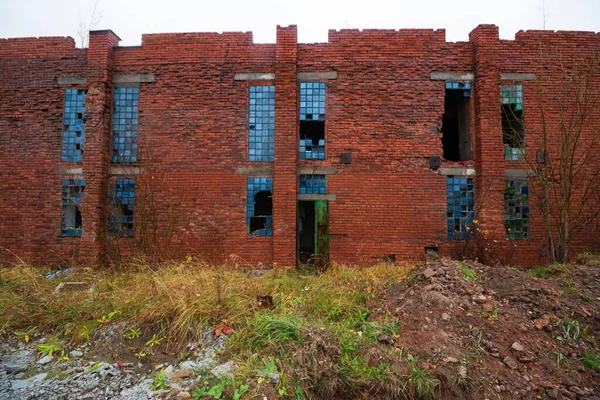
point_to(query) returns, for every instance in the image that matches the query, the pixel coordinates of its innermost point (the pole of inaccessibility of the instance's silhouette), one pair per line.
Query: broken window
(313, 184)
(516, 210)
(261, 124)
(259, 212)
(73, 134)
(460, 206)
(312, 120)
(456, 122)
(72, 196)
(122, 199)
(125, 124)
(513, 126)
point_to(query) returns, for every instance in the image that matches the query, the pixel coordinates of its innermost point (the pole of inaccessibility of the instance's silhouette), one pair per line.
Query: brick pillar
(96, 154)
(489, 151)
(286, 147)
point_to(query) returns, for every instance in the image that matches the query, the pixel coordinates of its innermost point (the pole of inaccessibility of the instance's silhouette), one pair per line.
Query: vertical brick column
(96, 155)
(286, 147)
(489, 151)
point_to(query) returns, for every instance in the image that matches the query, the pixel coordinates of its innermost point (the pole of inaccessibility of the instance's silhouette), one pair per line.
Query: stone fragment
(518, 347)
(510, 362)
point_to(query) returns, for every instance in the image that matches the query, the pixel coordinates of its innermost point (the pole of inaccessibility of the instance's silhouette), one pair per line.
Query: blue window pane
(465, 87)
(460, 207)
(313, 184)
(125, 125)
(122, 200)
(258, 217)
(73, 133)
(261, 124)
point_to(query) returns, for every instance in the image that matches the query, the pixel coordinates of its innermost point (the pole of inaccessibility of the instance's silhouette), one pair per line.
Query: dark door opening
(313, 234)
(306, 232)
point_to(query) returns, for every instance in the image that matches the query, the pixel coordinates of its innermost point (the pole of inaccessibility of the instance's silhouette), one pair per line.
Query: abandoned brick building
(377, 145)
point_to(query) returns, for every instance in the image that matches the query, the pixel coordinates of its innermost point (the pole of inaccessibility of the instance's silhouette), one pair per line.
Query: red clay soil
(499, 333)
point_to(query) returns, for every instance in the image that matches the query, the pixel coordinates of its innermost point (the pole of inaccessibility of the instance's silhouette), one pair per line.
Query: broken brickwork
(198, 117)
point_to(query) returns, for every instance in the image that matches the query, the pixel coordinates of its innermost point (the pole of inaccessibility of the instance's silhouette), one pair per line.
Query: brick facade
(384, 109)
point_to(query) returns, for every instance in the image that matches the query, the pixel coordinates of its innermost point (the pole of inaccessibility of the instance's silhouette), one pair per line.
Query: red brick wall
(383, 108)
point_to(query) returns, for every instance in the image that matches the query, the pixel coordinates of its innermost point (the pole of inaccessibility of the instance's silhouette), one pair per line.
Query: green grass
(591, 360)
(264, 329)
(421, 383)
(468, 274)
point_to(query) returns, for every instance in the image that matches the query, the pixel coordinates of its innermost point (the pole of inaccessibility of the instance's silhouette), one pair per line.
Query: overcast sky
(130, 18)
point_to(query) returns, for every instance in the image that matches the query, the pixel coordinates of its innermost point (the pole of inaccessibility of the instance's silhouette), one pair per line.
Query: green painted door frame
(321, 235)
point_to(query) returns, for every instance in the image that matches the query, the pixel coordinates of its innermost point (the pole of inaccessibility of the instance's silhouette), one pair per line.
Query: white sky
(130, 18)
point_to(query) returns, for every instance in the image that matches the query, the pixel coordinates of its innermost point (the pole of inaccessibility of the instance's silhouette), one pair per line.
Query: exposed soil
(501, 333)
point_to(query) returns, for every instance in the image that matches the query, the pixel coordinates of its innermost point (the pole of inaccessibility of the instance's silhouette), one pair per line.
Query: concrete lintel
(315, 197)
(133, 79)
(68, 171)
(451, 76)
(254, 76)
(71, 80)
(457, 171)
(317, 170)
(516, 174)
(317, 76)
(124, 170)
(515, 76)
(255, 171)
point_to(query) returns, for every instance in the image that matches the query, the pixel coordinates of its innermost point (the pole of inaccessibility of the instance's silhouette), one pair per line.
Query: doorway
(313, 234)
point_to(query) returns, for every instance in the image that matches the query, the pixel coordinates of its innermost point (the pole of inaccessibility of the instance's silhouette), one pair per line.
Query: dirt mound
(498, 332)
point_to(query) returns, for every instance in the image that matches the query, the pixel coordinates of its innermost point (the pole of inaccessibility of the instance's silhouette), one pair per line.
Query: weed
(132, 333)
(491, 313)
(468, 274)
(94, 367)
(267, 330)
(216, 391)
(421, 383)
(541, 272)
(570, 288)
(591, 360)
(560, 357)
(62, 357)
(571, 330)
(111, 316)
(153, 342)
(159, 381)
(587, 257)
(27, 334)
(49, 348)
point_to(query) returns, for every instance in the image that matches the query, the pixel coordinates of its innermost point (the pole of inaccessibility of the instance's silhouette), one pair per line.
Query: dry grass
(185, 297)
(307, 319)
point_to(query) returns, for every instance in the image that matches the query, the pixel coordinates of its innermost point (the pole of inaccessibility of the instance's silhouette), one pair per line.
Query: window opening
(122, 200)
(73, 136)
(125, 125)
(460, 207)
(513, 125)
(259, 213)
(313, 184)
(516, 210)
(261, 124)
(72, 196)
(456, 122)
(312, 120)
